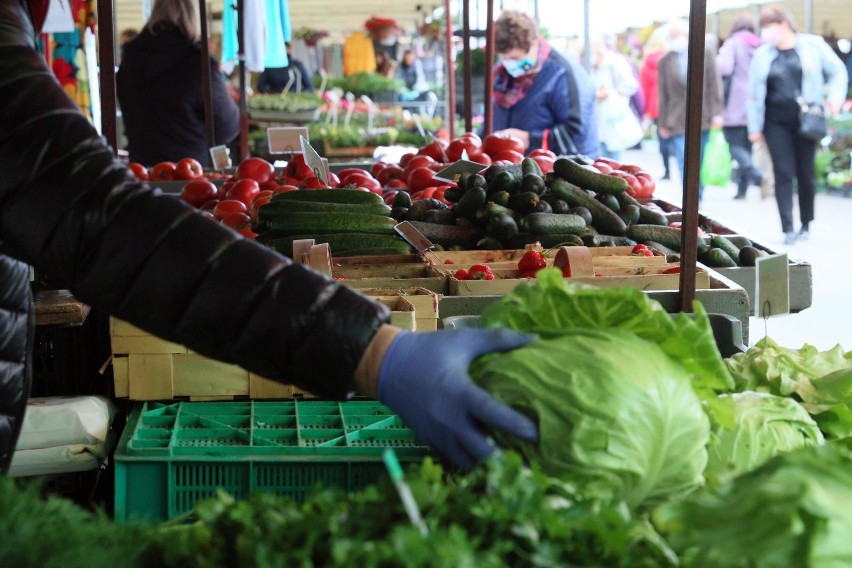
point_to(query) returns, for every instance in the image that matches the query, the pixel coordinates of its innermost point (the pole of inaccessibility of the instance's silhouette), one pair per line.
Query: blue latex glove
(423, 378)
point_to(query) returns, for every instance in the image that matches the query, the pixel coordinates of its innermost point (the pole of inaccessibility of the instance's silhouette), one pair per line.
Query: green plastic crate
(172, 455)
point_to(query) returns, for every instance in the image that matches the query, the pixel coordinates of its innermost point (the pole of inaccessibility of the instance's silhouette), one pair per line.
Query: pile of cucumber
(511, 206)
(352, 222)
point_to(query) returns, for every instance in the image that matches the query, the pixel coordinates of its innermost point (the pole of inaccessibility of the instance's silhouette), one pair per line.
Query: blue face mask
(518, 67)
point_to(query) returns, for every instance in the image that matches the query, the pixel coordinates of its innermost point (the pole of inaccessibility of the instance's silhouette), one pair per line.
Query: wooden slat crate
(425, 303)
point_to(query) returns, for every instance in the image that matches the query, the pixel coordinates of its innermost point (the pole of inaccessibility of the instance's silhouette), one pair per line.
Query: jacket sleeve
(72, 210)
(756, 104)
(663, 95)
(834, 71)
(725, 61)
(226, 113)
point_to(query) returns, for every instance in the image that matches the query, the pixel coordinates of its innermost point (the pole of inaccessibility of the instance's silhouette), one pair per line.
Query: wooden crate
(149, 368)
(425, 302)
(398, 275)
(450, 261)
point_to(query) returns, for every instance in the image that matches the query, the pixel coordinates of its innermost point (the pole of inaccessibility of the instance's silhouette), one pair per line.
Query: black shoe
(738, 196)
(790, 238)
(666, 176)
(804, 234)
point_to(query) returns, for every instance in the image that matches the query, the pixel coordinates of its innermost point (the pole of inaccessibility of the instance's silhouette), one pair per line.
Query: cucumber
(329, 196)
(493, 208)
(559, 240)
(561, 206)
(523, 202)
(500, 198)
(591, 240)
(629, 214)
(671, 255)
(493, 171)
(502, 226)
(610, 201)
(474, 181)
(666, 236)
(419, 209)
(749, 255)
(344, 242)
(647, 216)
(473, 200)
(603, 218)
(530, 167)
(275, 208)
(440, 216)
(375, 251)
(453, 194)
(520, 240)
(489, 243)
(504, 181)
(740, 241)
(449, 235)
(543, 207)
(402, 199)
(582, 212)
(721, 242)
(581, 159)
(571, 171)
(553, 223)
(399, 213)
(718, 258)
(533, 183)
(323, 223)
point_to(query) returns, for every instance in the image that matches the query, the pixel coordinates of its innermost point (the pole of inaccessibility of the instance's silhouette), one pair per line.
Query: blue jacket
(818, 60)
(562, 93)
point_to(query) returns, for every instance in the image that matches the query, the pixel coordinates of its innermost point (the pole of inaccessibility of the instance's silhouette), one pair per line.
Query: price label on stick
(286, 139)
(314, 160)
(221, 157)
(455, 171)
(772, 286)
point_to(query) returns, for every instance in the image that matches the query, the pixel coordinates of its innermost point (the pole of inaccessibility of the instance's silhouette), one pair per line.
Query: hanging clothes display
(267, 29)
(67, 56)
(358, 54)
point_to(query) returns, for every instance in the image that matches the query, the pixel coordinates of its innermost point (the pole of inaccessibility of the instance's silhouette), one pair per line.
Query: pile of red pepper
(475, 272)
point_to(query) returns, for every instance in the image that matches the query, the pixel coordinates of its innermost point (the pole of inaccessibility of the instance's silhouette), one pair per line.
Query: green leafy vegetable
(615, 414)
(794, 510)
(765, 426)
(820, 380)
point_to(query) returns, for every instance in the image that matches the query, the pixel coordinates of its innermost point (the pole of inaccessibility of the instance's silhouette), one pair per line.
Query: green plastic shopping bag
(716, 166)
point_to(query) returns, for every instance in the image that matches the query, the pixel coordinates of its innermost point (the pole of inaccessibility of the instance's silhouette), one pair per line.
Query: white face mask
(679, 44)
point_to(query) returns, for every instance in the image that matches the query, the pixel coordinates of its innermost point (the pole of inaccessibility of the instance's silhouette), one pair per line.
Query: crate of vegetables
(172, 455)
(425, 303)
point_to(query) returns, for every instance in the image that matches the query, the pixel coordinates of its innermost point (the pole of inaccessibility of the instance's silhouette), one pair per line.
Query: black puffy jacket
(69, 208)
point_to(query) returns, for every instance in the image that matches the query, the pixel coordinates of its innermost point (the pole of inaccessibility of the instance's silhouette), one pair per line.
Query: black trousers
(740, 147)
(793, 156)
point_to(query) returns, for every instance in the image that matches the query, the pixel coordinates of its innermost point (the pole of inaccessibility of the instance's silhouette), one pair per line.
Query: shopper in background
(618, 126)
(539, 95)
(734, 61)
(77, 214)
(672, 93)
(654, 50)
(160, 89)
(410, 70)
(790, 66)
(276, 79)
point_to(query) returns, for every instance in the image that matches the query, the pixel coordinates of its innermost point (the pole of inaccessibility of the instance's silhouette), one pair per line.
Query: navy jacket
(562, 93)
(71, 209)
(162, 102)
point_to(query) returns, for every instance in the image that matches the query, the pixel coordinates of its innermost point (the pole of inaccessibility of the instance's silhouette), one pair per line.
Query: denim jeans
(677, 143)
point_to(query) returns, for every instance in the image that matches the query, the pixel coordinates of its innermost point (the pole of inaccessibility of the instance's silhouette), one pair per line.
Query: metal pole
(587, 35)
(206, 83)
(692, 158)
(468, 103)
(106, 63)
(488, 126)
(809, 16)
(241, 56)
(451, 72)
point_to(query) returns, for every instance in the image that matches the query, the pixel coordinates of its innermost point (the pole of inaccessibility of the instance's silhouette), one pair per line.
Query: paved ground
(829, 319)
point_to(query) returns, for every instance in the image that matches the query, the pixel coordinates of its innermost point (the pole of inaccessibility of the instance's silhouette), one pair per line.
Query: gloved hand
(423, 378)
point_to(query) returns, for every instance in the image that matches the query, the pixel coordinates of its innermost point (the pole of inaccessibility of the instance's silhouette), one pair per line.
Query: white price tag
(314, 160)
(221, 157)
(772, 286)
(286, 139)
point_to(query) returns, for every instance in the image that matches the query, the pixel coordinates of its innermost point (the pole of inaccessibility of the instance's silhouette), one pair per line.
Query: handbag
(813, 124)
(620, 129)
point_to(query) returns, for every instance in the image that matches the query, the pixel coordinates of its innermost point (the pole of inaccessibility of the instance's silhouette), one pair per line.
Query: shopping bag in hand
(716, 166)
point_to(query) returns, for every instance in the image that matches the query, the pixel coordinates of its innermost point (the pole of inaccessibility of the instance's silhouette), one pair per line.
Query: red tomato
(333, 180)
(313, 182)
(389, 173)
(344, 173)
(244, 190)
(474, 137)
(496, 143)
(633, 185)
(648, 185)
(269, 185)
(420, 178)
(188, 168)
(239, 222)
(223, 189)
(198, 192)
(459, 145)
(639, 248)
(603, 167)
(542, 152)
(480, 158)
(140, 171)
(257, 169)
(629, 168)
(298, 168)
(509, 155)
(612, 163)
(362, 180)
(424, 193)
(210, 205)
(259, 201)
(378, 167)
(544, 162)
(229, 206)
(284, 189)
(403, 161)
(164, 171)
(439, 194)
(419, 162)
(679, 225)
(389, 196)
(435, 150)
(290, 180)
(396, 183)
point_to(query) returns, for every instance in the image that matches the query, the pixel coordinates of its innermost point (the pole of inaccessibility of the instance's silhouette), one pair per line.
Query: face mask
(388, 41)
(518, 67)
(679, 44)
(769, 35)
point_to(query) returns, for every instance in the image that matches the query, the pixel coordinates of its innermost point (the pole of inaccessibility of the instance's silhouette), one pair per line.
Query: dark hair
(743, 23)
(512, 30)
(776, 15)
